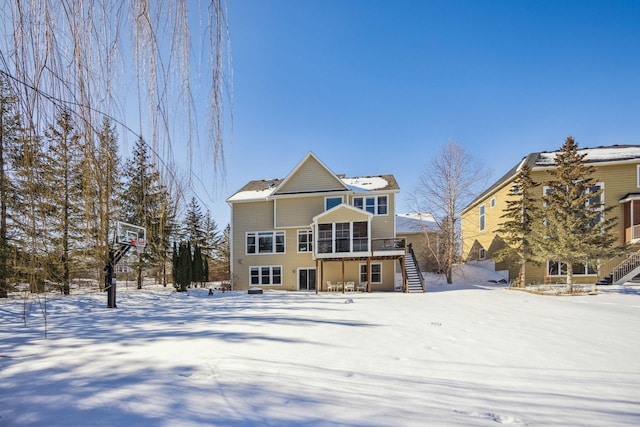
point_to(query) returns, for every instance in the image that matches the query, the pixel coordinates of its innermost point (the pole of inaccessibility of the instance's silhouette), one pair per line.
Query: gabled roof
(323, 179)
(295, 183)
(343, 207)
(546, 159)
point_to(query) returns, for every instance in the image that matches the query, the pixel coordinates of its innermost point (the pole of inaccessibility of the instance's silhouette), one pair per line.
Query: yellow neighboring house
(617, 173)
(317, 231)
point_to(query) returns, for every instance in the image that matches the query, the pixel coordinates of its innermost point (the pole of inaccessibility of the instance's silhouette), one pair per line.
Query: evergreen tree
(221, 263)
(174, 261)
(105, 206)
(522, 220)
(145, 203)
(9, 133)
(194, 224)
(182, 270)
(30, 211)
(212, 238)
(197, 271)
(63, 167)
(577, 228)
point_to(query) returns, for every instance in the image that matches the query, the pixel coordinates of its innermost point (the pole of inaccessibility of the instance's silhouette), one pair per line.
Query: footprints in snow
(498, 418)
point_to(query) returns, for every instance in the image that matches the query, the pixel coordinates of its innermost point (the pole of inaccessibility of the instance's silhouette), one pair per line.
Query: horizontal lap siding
(343, 215)
(618, 180)
(299, 211)
(311, 176)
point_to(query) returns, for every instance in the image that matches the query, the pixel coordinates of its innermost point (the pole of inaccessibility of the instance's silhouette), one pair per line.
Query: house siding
(298, 212)
(618, 178)
(311, 176)
(290, 205)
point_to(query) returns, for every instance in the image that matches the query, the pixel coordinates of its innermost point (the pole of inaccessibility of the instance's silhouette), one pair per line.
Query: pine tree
(522, 218)
(197, 266)
(63, 167)
(194, 224)
(105, 207)
(9, 133)
(30, 210)
(577, 228)
(212, 238)
(221, 263)
(146, 202)
(182, 267)
(174, 261)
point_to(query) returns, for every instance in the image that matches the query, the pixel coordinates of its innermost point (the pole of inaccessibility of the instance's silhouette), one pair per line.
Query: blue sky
(375, 87)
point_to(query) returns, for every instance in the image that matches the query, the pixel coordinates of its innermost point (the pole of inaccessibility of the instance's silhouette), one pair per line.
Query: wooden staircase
(623, 272)
(415, 280)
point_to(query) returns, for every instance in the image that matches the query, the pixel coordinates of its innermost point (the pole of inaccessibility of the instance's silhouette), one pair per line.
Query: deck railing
(389, 244)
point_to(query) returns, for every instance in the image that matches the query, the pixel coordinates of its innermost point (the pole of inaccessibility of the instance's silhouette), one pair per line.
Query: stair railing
(627, 266)
(415, 262)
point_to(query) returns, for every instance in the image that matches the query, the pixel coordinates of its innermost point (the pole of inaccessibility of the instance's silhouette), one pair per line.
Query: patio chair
(362, 287)
(349, 287)
(330, 286)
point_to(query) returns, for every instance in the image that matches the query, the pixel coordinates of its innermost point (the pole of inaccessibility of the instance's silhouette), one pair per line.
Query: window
(343, 237)
(596, 202)
(557, 268)
(360, 236)
(265, 275)
(482, 254)
(376, 273)
(265, 242)
(482, 207)
(325, 238)
(638, 176)
(376, 205)
(331, 202)
(305, 241)
(492, 203)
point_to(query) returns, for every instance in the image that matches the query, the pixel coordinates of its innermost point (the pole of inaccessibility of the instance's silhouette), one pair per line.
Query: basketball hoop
(140, 243)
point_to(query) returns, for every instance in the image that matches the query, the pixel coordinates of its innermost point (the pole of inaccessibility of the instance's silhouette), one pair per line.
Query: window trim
(482, 254)
(492, 203)
(260, 276)
(638, 176)
(376, 204)
(360, 273)
(334, 238)
(562, 273)
(274, 244)
(482, 217)
(309, 243)
(327, 198)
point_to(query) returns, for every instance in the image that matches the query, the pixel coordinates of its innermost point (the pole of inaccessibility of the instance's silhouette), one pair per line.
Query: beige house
(317, 231)
(617, 171)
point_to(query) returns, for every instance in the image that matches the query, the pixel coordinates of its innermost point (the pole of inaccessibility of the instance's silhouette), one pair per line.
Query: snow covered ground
(472, 354)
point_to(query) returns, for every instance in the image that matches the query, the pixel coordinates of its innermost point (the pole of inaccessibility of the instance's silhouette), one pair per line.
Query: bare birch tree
(444, 188)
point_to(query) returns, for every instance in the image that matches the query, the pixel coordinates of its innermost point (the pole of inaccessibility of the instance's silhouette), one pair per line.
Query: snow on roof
(261, 189)
(407, 223)
(597, 154)
(367, 183)
(255, 190)
(250, 195)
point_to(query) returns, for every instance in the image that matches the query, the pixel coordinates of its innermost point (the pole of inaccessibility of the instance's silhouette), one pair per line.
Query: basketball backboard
(130, 234)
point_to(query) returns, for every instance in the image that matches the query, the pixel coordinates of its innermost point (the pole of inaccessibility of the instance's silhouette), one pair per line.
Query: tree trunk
(569, 277)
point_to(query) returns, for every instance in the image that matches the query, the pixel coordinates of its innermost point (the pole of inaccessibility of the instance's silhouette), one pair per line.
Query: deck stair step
(414, 282)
